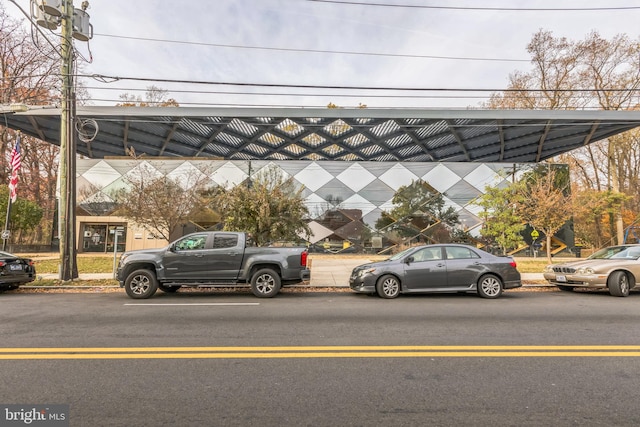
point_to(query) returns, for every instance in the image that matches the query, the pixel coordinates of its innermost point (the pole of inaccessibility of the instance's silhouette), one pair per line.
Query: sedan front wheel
(388, 287)
(618, 284)
(489, 286)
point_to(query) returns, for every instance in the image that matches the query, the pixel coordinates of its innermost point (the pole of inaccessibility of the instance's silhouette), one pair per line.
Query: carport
(406, 135)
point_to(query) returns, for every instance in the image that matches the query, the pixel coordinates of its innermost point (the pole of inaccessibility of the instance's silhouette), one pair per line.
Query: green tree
(268, 206)
(419, 213)
(502, 224)
(25, 215)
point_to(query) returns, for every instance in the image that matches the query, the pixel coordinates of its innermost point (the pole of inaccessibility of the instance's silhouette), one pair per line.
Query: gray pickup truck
(211, 258)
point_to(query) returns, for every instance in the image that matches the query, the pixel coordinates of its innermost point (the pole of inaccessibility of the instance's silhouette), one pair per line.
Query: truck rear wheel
(265, 283)
(141, 284)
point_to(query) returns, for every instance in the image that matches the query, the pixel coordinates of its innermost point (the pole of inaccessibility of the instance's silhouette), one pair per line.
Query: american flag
(16, 161)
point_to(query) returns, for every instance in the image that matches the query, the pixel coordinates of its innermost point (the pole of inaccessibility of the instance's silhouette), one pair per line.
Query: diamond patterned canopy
(505, 136)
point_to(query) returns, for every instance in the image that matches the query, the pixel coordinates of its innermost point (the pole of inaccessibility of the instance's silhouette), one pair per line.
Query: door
(224, 258)
(425, 269)
(186, 259)
(463, 266)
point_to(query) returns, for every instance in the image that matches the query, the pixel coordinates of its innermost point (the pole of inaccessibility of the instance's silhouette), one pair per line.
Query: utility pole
(66, 208)
(74, 23)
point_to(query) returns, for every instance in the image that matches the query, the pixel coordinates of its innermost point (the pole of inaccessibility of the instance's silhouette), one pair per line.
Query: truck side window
(191, 243)
(222, 241)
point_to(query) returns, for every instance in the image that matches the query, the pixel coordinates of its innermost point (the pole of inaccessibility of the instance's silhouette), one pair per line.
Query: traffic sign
(535, 234)
(5, 234)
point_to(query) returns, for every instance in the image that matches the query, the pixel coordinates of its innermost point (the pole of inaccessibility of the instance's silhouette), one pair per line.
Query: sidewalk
(325, 272)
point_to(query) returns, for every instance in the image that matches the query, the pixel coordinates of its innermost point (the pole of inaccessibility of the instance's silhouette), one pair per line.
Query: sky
(335, 49)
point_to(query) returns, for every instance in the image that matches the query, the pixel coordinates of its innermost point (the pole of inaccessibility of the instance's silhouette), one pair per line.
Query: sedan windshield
(617, 252)
(399, 255)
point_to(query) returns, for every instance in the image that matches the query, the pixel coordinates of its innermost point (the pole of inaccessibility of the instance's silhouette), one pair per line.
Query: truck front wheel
(141, 284)
(265, 283)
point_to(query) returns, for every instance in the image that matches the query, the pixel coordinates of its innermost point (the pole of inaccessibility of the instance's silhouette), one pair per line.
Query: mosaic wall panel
(345, 199)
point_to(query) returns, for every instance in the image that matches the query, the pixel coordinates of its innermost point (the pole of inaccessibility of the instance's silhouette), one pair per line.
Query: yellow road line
(309, 355)
(289, 352)
(336, 348)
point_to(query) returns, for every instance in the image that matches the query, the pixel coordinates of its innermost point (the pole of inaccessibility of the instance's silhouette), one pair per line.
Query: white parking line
(198, 303)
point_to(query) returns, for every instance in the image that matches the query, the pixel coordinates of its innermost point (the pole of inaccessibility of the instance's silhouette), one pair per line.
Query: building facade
(345, 199)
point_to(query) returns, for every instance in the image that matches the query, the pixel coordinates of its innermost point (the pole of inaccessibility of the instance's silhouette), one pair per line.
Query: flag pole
(5, 232)
(13, 184)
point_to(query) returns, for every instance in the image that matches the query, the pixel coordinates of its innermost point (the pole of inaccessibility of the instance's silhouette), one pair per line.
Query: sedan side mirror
(408, 260)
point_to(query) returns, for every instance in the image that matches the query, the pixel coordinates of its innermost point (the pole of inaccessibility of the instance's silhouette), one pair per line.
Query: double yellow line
(309, 352)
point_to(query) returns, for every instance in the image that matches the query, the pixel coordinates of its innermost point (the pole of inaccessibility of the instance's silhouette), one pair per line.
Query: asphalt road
(324, 359)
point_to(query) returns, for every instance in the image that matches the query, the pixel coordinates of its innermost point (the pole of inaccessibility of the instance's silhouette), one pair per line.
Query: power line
(106, 78)
(494, 9)
(337, 52)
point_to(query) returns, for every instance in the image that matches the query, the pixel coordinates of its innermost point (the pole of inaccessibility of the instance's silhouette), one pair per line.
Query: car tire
(489, 286)
(265, 283)
(565, 288)
(388, 287)
(618, 284)
(141, 284)
(168, 289)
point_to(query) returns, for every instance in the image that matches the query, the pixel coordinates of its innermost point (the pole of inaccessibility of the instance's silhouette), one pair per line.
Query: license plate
(561, 279)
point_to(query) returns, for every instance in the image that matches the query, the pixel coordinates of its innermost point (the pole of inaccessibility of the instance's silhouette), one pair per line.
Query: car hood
(595, 263)
(371, 265)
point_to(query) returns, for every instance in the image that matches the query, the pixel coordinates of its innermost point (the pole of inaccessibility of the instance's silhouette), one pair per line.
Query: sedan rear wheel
(489, 286)
(388, 287)
(618, 284)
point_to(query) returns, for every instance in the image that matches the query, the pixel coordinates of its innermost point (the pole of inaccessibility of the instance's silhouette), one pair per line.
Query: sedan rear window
(456, 252)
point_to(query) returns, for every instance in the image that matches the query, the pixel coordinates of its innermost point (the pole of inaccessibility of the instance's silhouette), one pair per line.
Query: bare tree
(160, 203)
(29, 70)
(154, 97)
(545, 203)
(590, 73)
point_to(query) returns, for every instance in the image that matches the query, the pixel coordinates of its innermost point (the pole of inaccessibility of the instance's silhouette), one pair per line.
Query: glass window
(427, 254)
(457, 252)
(221, 241)
(193, 242)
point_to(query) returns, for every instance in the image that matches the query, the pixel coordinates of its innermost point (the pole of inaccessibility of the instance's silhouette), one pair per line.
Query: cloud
(298, 24)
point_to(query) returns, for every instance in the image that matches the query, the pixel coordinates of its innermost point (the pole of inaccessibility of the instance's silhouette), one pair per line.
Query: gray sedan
(437, 268)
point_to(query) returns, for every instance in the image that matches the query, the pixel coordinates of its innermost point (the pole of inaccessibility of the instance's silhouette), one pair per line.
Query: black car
(15, 271)
(437, 268)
